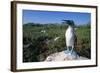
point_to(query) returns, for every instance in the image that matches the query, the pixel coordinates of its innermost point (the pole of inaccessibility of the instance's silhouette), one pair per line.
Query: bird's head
(69, 22)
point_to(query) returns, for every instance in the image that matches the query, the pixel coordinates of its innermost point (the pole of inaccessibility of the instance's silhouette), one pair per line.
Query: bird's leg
(72, 49)
(68, 48)
(67, 51)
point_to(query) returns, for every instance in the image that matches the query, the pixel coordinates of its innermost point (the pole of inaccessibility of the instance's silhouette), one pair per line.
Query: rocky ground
(64, 56)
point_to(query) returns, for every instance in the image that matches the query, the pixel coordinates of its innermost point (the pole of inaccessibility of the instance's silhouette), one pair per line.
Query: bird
(43, 31)
(55, 39)
(70, 36)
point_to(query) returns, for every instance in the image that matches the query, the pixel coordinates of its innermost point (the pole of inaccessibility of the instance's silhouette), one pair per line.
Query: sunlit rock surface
(65, 56)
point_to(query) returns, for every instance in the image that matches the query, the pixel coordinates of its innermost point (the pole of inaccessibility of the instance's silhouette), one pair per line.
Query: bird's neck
(70, 27)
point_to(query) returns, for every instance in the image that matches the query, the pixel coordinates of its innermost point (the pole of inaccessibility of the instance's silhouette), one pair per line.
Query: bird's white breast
(70, 36)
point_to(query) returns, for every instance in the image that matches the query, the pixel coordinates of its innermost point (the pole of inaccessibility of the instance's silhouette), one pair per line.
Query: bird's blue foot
(67, 51)
(72, 50)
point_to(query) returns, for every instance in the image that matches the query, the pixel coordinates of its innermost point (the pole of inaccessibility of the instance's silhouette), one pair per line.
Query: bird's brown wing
(75, 44)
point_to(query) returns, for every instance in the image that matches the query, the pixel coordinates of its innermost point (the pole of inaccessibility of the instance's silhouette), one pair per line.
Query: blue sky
(43, 17)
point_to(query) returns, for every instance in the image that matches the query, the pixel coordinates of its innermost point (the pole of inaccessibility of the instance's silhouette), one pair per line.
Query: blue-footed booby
(70, 37)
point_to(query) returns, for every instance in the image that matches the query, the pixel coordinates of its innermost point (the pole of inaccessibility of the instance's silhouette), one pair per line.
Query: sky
(43, 17)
